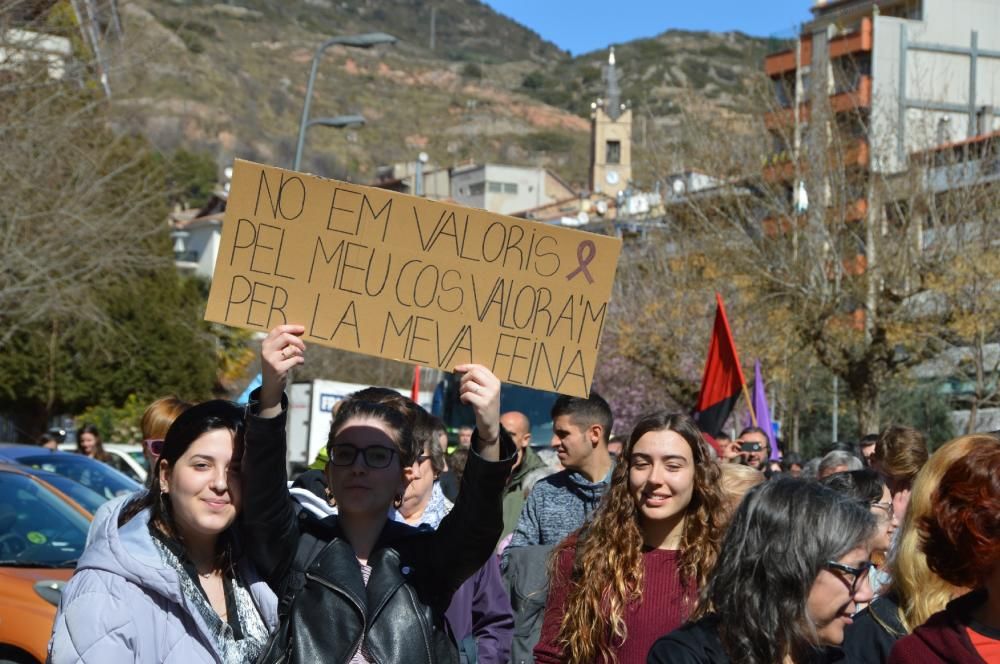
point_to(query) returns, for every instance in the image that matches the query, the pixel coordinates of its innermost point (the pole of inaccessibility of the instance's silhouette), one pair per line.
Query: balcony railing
(857, 41)
(851, 100)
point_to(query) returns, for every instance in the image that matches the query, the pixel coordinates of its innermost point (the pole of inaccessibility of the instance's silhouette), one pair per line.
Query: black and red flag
(723, 381)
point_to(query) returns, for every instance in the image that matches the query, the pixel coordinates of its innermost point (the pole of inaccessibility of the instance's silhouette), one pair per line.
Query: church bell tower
(610, 137)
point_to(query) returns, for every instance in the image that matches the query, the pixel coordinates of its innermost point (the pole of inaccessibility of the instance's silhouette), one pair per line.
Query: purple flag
(762, 411)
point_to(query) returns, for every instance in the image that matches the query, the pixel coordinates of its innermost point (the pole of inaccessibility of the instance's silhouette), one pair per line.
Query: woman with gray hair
(793, 565)
(838, 461)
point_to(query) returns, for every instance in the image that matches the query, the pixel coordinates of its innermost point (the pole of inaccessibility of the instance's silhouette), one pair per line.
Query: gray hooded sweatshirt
(124, 605)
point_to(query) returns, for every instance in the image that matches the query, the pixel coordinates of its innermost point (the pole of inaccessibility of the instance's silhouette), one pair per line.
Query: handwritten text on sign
(405, 278)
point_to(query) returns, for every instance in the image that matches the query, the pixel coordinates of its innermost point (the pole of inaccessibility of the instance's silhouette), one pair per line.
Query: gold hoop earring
(398, 501)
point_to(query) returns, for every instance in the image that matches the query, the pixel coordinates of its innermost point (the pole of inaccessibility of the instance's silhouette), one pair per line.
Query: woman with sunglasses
(162, 578)
(792, 566)
(358, 587)
(155, 423)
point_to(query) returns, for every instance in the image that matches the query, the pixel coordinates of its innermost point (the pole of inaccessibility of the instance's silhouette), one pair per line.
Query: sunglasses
(375, 456)
(857, 574)
(154, 445)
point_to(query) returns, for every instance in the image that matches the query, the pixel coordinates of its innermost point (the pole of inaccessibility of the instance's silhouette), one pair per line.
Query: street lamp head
(357, 41)
(339, 121)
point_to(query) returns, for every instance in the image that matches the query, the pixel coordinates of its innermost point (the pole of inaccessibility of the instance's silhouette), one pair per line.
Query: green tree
(156, 344)
(191, 177)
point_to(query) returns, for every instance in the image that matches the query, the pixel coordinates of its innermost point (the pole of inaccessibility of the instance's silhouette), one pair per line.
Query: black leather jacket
(399, 616)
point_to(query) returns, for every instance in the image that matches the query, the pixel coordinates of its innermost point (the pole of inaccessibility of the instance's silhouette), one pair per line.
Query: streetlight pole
(357, 41)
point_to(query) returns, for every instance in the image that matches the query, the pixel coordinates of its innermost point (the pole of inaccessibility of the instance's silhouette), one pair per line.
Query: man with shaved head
(519, 427)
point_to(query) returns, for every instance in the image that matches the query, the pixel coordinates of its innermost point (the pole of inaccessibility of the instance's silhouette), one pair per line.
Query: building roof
(975, 140)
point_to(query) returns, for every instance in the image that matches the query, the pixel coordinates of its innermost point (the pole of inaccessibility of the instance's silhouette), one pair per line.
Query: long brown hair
(610, 548)
(99, 452)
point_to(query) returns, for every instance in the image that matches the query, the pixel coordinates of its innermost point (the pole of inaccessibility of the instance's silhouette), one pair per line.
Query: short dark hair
(791, 459)
(585, 412)
(456, 463)
(425, 435)
(387, 412)
(864, 486)
(867, 440)
(747, 430)
(405, 406)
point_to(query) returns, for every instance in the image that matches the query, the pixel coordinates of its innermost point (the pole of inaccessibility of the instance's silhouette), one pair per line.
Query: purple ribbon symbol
(585, 253)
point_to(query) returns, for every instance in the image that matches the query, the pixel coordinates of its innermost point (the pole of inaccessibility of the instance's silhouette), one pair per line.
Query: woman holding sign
(358, 587)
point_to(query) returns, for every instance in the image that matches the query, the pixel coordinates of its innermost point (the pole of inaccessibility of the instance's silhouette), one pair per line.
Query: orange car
(42, 534)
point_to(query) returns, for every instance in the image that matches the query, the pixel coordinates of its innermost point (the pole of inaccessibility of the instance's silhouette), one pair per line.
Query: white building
(21, 48)
(196, 236)
(926, 71)
(506, 189)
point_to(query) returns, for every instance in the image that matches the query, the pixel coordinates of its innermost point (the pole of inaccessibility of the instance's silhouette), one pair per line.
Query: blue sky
(571, 24)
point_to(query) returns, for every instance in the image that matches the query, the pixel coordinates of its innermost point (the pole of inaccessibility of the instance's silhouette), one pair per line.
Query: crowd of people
(667, 546)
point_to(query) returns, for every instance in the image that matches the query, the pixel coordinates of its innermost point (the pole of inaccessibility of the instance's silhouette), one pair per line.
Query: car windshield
(37, 527)
(86, 498)
(96, 476)
(119, 461)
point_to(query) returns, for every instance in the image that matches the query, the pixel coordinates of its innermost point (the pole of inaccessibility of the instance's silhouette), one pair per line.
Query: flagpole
(753, 415)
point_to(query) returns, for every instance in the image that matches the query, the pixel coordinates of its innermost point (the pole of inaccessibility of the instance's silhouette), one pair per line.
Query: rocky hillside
(231, 78)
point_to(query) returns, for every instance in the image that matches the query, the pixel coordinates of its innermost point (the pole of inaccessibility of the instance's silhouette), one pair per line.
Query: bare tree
(80, 203)
(829, 259)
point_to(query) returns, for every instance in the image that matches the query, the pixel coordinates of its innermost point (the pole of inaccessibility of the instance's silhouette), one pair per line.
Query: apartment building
(898, 76)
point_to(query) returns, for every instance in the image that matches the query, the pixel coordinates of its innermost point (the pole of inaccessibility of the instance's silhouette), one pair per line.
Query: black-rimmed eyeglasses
(857, 574)
(375, 456)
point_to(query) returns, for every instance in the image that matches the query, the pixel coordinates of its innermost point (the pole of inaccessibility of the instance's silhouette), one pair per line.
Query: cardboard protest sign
(414, 280)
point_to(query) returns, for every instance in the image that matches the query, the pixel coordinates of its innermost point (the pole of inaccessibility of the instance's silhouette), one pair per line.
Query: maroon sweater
(942, 639)
(662, 609)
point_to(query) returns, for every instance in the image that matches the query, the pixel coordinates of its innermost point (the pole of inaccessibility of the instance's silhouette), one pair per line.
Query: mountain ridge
(230, 78)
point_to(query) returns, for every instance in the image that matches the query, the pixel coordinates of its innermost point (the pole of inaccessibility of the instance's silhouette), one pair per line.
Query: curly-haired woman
(633, 573)
(961, 540)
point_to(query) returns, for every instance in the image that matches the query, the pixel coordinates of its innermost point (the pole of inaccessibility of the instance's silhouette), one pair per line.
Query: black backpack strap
(314, 536)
